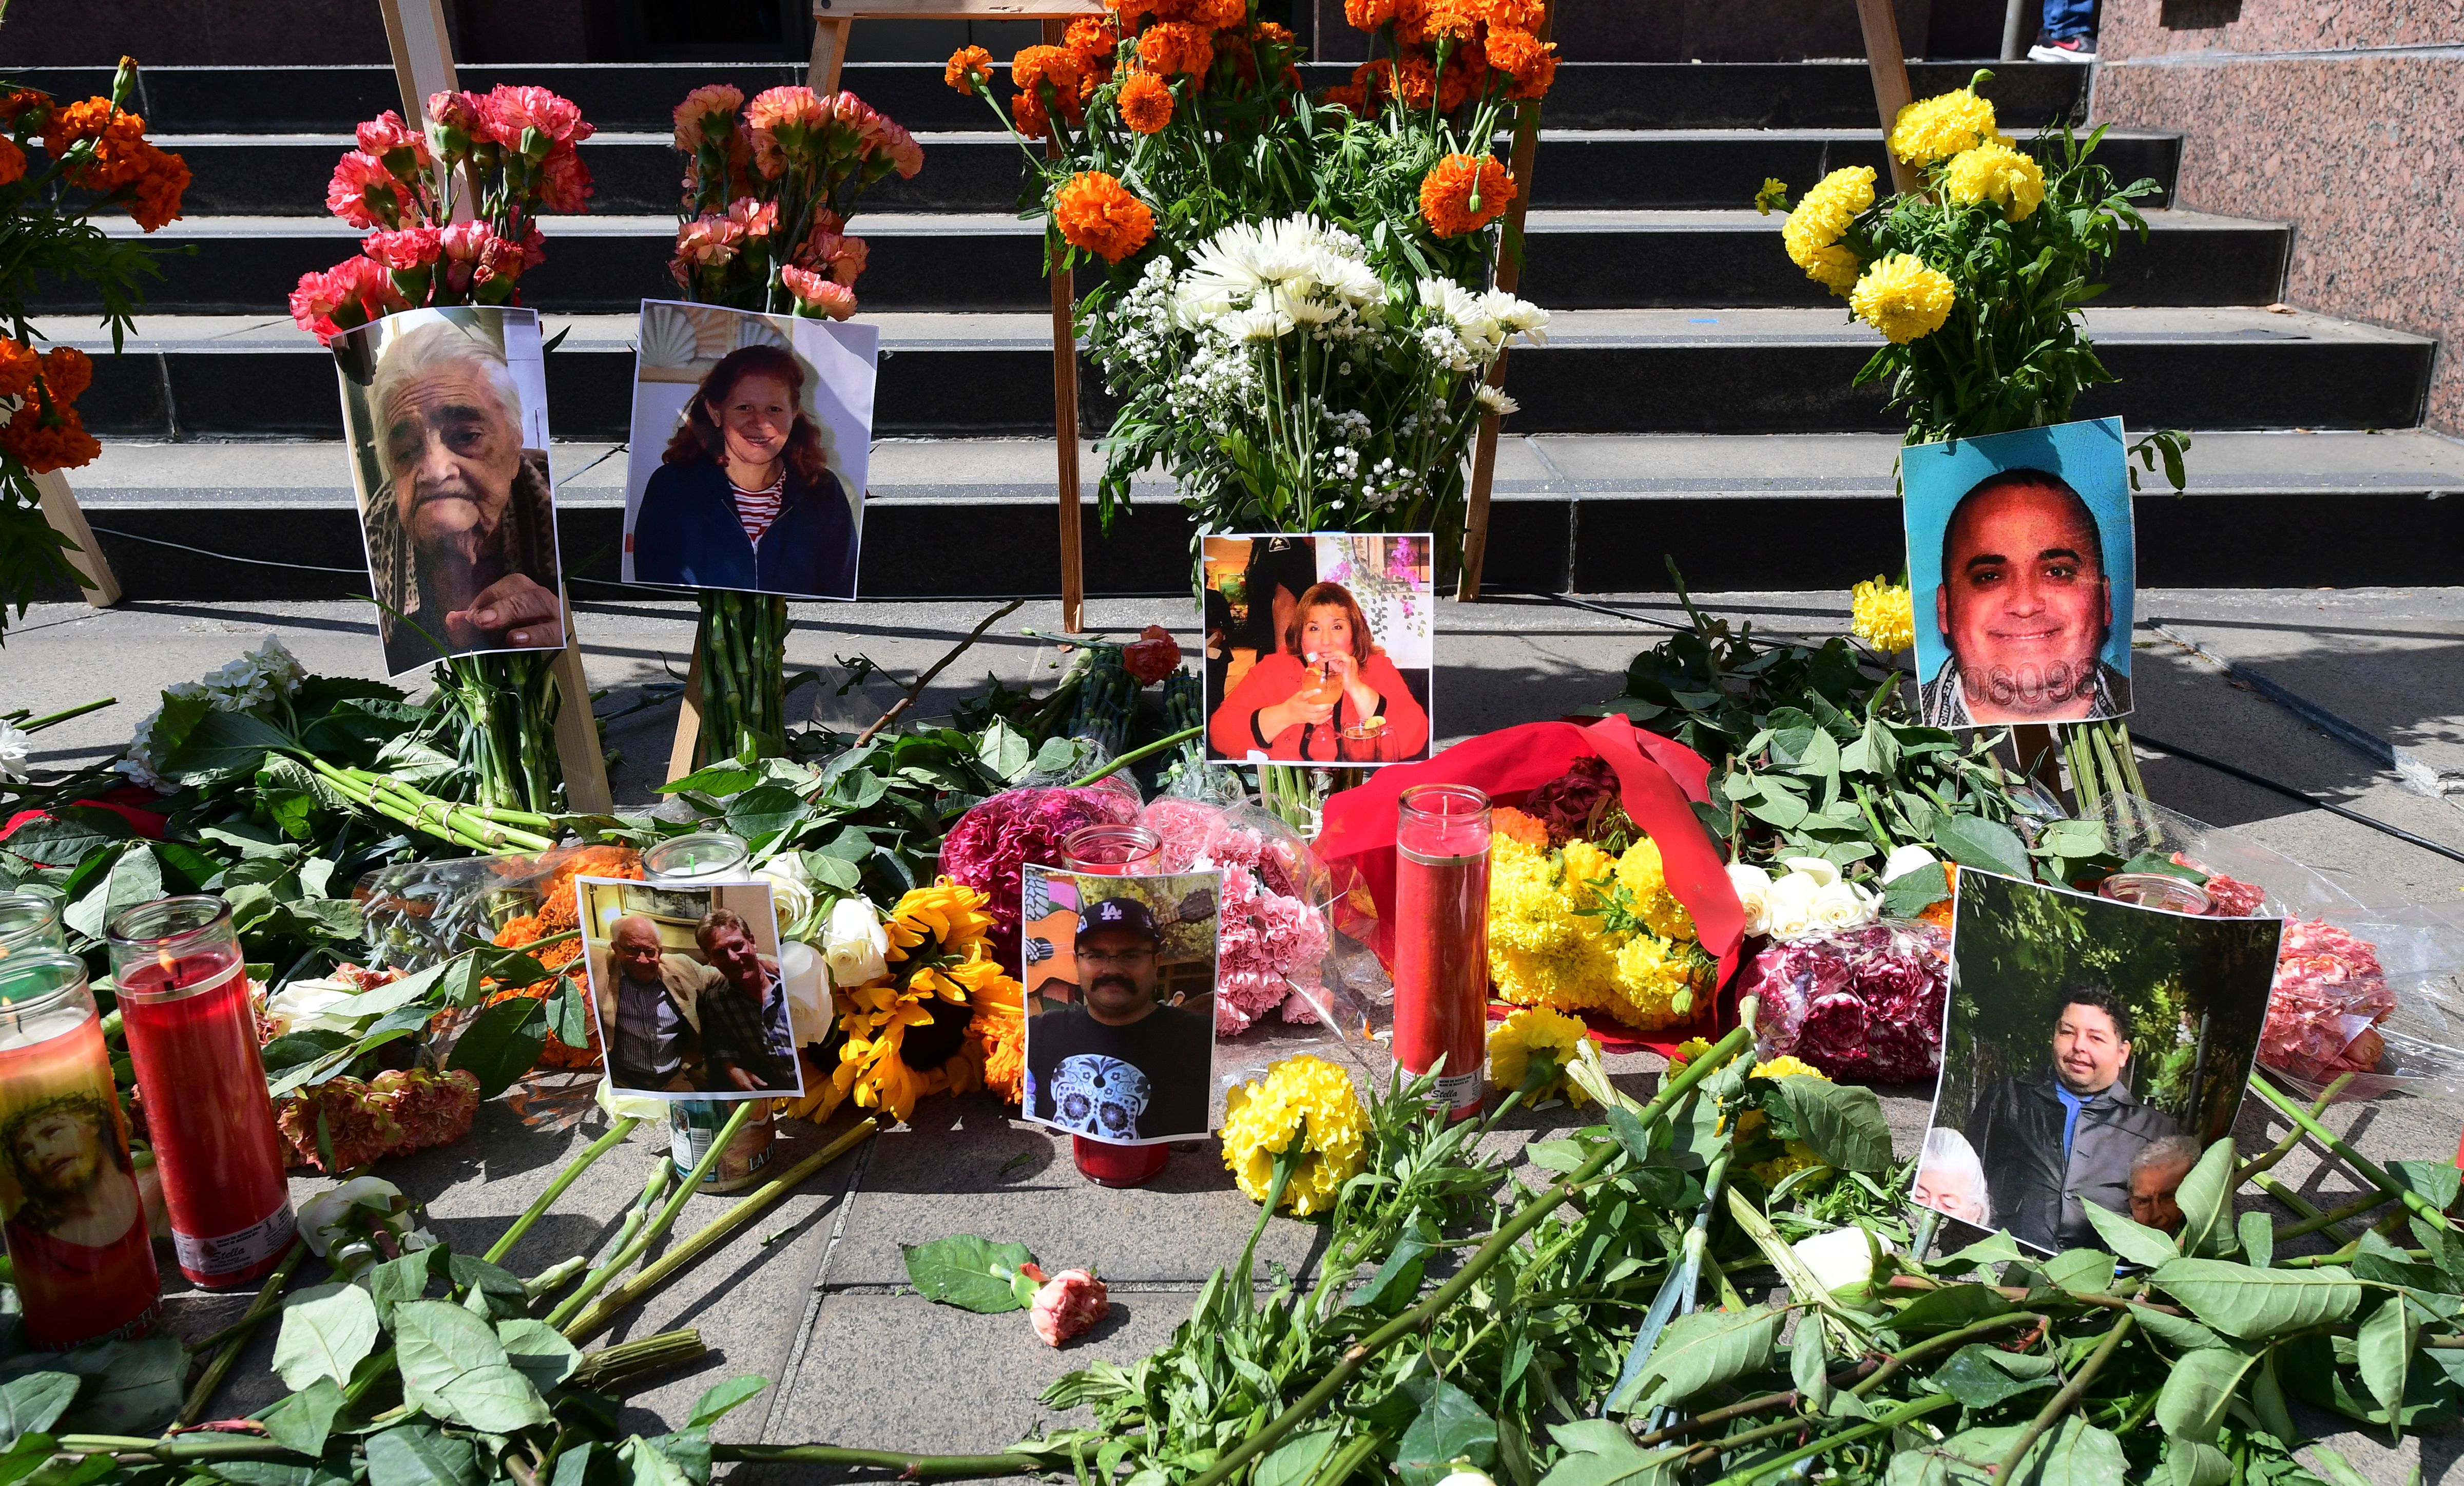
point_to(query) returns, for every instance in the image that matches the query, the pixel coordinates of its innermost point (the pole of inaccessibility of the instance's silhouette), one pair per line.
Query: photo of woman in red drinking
(1327, 695)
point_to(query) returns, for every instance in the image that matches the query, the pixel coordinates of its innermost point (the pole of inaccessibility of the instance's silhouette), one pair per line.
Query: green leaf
(302, 1420)
(721, 780)
(2199, 1388)
(224, 744)
(1809, 1368)
(1951, 1308)
(2337, 1469)
(1913, 892)
(396, 1281)
(436, 1341)
(1451, 1426)
(1296, 1460)
(540, 1353)
(1398, 1280)
(2080, 1271)
(2435, 1182)
(1981, 1375)
(2257, 1239)
(2255, 1304)
(650, 1467)
(1778, 808)
(2134, 1241)
(762, 813)
(1996, 1248)
(568, 1018)
(2075, 1453)
(420, 1454)
(2178, 1332)
(2206, 1199)
(1598, 1453)
(33, 1403)
(399, 993)
(1841, 1122)
(1699, 1351)
(501, 1044)
(2385, 1348)
(132, 1388)
(970, 1272)
(1987, 845)
(2190, 1462)
(326, 1329)
(497, 1399)
(721, 1399)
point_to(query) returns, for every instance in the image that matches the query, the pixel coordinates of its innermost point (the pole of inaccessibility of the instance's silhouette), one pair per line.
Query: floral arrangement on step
(94, 158)
(1296, 315)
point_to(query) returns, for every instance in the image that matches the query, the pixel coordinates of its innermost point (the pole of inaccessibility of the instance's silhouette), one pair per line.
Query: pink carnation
(906, 156)
(461, 112)
(813, 291)
(999, 837)
(510, 114)
(782, 121)
(2331, 992)
(710, 104)
(386, 133)
(841, 257)
(365, 193)
(403, 252)
(1067, 1305)
(565, 181)
(351, 293)
(708, 241)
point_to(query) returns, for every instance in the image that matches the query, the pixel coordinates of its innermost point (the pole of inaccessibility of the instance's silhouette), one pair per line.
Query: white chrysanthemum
(1519, 315)
(1494, 400)
(16, 746)
(1353, 281)
(1262, 324)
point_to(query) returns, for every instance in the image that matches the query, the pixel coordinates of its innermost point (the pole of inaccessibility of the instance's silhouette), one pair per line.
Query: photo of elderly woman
(446, 414)
(749, 452)
(1326, 643)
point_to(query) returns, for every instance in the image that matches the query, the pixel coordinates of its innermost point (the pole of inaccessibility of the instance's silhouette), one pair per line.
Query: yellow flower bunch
(1305, 1098)
(1555, 940)
(1536, 1031)
(942, 975)
(1812, 230)
(1903, 298)
(1994, 172)
(1936, 129)
(1883, 614)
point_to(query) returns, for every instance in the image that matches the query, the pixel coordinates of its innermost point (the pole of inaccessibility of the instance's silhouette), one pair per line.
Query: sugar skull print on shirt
(1098, 1096)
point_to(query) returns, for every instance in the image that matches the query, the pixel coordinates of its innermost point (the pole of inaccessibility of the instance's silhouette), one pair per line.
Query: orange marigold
(1459, 19)
(970, 68)
(997, 1023)
(157, 199)
(18, 368)
(1411, 22)
(1097, 213)
(17, 102)
(1272, 35)
(1463, 193)
(1344, 97)
(1514, 15)
(67, 372)
(1145, 102)
(1374, 80)
(12, 164)
(1037, 65)
(1415, 80)
(1531, 63)
(1093, 39)
(1508, 821)
(43, 446)
(1368, 14)
(1465, 78)
(1222, 15)
(1026, 111)
(1176, 47)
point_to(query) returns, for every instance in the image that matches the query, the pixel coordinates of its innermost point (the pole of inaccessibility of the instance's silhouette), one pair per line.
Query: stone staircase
(1693, 398)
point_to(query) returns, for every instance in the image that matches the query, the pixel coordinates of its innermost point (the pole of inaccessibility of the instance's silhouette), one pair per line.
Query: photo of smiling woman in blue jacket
(744, 498)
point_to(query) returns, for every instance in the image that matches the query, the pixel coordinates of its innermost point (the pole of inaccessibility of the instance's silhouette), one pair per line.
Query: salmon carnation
(1097, 213)
(1145, 102)
(817, 295)
(969, 70)
(783, 121)
(1067, 1305)
(365, 193)
(1176, 47)
(1463, 193)
(531, 120)
(707, 110)
(387, 134)
(565, 181)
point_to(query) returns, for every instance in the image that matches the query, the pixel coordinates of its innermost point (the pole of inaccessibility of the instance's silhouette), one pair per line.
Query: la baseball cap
(1120, 913)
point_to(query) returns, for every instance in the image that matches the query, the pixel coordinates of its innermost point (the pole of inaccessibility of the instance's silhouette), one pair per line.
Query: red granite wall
(2341, 117)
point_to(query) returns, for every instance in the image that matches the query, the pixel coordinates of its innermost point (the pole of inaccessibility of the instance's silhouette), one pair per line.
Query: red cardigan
(1233, 731)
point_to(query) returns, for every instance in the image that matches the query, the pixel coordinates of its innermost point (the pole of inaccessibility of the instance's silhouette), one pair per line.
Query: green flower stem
(193, 1407)
(2313, 1220)
(1830, 1442)
(657, 1227)
(1135, 754)
(1750, 1407)
(592, 1320)
(904, 1467)
(572, 1171)
(2060, 1403)
(611, 1364)
(2368, 1170)
(55, 719)
(2293, 1137)
(1526, 1217)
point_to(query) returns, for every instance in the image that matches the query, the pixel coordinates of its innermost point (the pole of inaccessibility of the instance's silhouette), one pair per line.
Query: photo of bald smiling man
(2020, 554)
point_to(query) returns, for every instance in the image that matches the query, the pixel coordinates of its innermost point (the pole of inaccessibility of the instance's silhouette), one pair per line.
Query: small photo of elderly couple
(685, 990)
(2096, 1050)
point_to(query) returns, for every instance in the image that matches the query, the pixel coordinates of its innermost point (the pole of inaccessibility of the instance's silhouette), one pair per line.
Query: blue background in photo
(2089, 455)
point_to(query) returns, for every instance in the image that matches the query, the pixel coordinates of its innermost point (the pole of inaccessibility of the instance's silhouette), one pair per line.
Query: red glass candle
(76, 1223)
(1441, 939)
(193, 1037)
(1104, 850)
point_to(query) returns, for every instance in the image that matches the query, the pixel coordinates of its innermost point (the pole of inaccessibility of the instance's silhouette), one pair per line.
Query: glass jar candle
(2155, 890)
(704, 857)
(184, 1007)
(1107, 851)
(712, 856)
(30, 923)
(77, 1231)
(1441, 939)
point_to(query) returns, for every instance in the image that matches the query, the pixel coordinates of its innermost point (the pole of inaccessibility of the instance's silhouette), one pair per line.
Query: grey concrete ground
(811, 1295)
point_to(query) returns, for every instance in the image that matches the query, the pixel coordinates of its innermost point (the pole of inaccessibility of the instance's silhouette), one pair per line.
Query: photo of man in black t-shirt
(1117, 1064)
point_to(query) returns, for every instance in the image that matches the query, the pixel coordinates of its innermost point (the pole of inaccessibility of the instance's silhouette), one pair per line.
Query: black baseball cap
(1119, 913)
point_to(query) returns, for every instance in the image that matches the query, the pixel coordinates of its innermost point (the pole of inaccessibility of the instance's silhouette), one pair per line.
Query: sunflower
(909, 1033)
(1307, 1098)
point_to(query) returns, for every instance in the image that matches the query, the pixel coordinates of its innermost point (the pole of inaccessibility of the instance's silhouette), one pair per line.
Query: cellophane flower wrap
(94, 158)
(1864, 1005)
(1272, 935)
(1296, 313)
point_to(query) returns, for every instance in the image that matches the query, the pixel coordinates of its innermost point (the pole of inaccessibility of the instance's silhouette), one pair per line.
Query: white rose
(1823, 873)
(1790, 906)
(855, 944)
(808, 992)
(308, 1005)
(1838, 1258)
(1752, 886)
(1464, 1475)
(1842, 905)
(791, 890)
(1905, 859)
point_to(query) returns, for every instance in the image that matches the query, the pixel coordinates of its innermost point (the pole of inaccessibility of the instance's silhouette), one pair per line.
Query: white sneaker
(2074, 49)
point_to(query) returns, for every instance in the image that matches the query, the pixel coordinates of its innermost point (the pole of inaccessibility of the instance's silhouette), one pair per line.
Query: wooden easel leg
(1889, 62)
(829, 53)
(680, 755)
(1064, 414)
(1508, 276)
(61, 508)
(576, 734)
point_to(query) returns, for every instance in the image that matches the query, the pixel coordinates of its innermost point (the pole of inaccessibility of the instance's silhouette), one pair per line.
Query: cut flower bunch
(1297, 315)
(94, 158)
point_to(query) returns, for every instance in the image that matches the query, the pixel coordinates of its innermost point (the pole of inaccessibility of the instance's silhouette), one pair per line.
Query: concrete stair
(1694, 398)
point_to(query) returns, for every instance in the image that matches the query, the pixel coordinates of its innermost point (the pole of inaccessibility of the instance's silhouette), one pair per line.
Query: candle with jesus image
(76, 1234)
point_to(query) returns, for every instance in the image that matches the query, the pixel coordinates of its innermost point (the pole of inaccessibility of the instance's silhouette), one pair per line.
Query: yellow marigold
(1822, 217)
(1463, 193)
(1789, 1066)
(1835, 268)
(1774, 193)
(1939, 127)
(1995, 172)
(1145, 102)
(1096, 213)
(1882, 615)
(1553, 1035)
(1903, 298)
(1646, 878)
(969, 69)
(1653, 983)
(1307, 1098)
